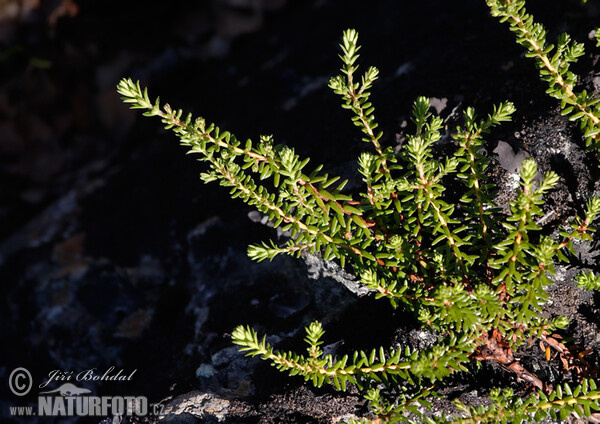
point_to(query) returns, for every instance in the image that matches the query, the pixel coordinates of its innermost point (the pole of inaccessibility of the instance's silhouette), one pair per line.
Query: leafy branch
(553, 63)
(304, 204)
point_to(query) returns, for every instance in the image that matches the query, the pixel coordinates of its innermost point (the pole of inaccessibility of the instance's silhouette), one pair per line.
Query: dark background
(112, 251)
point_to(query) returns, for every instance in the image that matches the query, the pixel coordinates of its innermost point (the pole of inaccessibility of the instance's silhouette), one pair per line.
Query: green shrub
(554, 64)
(472, 275)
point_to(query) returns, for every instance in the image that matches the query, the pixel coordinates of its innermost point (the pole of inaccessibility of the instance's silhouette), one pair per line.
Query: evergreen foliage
(471, 274)
(554, 64)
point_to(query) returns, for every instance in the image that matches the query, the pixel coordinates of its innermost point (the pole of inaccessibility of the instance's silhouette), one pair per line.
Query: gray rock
(438, 104)
(205, 371)
(194, 406)
(319, 268)
(507, 157)
(225, 356)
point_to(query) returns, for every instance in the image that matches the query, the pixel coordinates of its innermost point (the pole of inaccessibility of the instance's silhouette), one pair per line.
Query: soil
(114, 254)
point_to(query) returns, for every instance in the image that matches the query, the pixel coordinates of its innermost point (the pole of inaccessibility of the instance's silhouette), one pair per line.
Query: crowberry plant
(471, 274)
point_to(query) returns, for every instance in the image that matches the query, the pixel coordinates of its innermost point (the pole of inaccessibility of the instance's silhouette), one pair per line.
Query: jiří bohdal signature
(91, 374)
